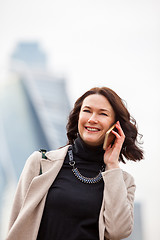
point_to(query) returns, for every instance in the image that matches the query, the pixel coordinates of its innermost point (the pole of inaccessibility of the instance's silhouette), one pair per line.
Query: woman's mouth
(92, 129)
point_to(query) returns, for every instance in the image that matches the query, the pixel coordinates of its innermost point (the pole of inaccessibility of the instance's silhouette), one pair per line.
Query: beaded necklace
(77, 174)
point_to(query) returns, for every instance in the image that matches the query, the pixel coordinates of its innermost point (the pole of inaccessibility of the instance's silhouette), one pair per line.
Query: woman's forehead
(98, 101)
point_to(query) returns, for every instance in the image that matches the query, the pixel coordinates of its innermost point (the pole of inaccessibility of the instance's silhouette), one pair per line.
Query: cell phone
(109, 137)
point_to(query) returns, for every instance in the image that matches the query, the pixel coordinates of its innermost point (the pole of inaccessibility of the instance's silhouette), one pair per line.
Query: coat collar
(53, 157)
(58, 154)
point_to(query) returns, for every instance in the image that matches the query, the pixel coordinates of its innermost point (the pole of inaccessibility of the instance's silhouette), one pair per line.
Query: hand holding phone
(109, 137)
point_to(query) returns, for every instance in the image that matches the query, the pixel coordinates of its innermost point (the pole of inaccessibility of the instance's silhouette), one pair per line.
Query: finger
(116, 134)
(119, 137)
(108, 148)
(120, 130)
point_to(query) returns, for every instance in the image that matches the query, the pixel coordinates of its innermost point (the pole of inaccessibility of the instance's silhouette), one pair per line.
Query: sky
(100, 43)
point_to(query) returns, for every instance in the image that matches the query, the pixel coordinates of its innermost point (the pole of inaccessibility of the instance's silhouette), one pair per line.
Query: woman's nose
(92, 119)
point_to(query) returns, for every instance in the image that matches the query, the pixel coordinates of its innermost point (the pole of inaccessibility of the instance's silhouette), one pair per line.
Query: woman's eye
(86, 110)
(104, 114)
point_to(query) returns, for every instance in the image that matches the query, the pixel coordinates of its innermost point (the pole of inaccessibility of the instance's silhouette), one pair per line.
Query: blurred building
(34, 108)
(30, 54)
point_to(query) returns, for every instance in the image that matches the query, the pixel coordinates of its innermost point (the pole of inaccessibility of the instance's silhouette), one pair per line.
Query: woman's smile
(92, 129)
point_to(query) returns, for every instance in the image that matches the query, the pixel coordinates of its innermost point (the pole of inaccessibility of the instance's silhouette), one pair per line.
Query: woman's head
(106, 108)
(95, 118)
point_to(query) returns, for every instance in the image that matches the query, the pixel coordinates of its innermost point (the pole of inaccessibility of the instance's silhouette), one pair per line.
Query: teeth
(92, 129)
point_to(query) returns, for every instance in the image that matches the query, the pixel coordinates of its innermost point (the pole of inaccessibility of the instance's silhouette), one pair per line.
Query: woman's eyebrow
(101, 109)
(86, 107)
(105, 110)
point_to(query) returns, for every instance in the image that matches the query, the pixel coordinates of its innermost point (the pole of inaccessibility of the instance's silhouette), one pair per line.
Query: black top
(72, 208)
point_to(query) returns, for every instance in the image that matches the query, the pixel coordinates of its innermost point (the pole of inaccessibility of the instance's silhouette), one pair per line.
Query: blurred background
(53, 51)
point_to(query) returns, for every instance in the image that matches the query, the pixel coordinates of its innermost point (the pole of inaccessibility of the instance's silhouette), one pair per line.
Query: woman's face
(95, 118)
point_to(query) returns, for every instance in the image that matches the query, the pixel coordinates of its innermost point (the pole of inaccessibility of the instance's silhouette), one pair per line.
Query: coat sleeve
(119, 189)
(30, 170)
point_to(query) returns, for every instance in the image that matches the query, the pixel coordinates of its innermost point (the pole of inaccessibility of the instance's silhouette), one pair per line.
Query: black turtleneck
(72, 208)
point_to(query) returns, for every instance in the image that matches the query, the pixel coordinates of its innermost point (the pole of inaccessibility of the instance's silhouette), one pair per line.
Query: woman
(79, 191)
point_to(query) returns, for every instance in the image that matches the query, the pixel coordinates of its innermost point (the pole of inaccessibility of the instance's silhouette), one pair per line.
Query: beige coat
(116, 216)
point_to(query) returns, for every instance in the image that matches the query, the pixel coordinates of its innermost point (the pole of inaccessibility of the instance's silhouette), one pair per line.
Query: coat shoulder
(58, 154)
(32, 164)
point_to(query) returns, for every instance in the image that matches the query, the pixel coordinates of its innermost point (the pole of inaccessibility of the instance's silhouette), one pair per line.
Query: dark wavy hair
(131, 147)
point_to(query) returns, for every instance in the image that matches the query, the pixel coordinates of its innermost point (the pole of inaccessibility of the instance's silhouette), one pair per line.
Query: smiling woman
(79, 191)
(115, 108)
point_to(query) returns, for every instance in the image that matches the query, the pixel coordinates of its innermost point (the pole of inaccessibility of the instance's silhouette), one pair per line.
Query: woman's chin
(92, 142)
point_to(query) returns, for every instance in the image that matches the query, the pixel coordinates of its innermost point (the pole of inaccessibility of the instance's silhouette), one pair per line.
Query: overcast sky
(99, 42)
